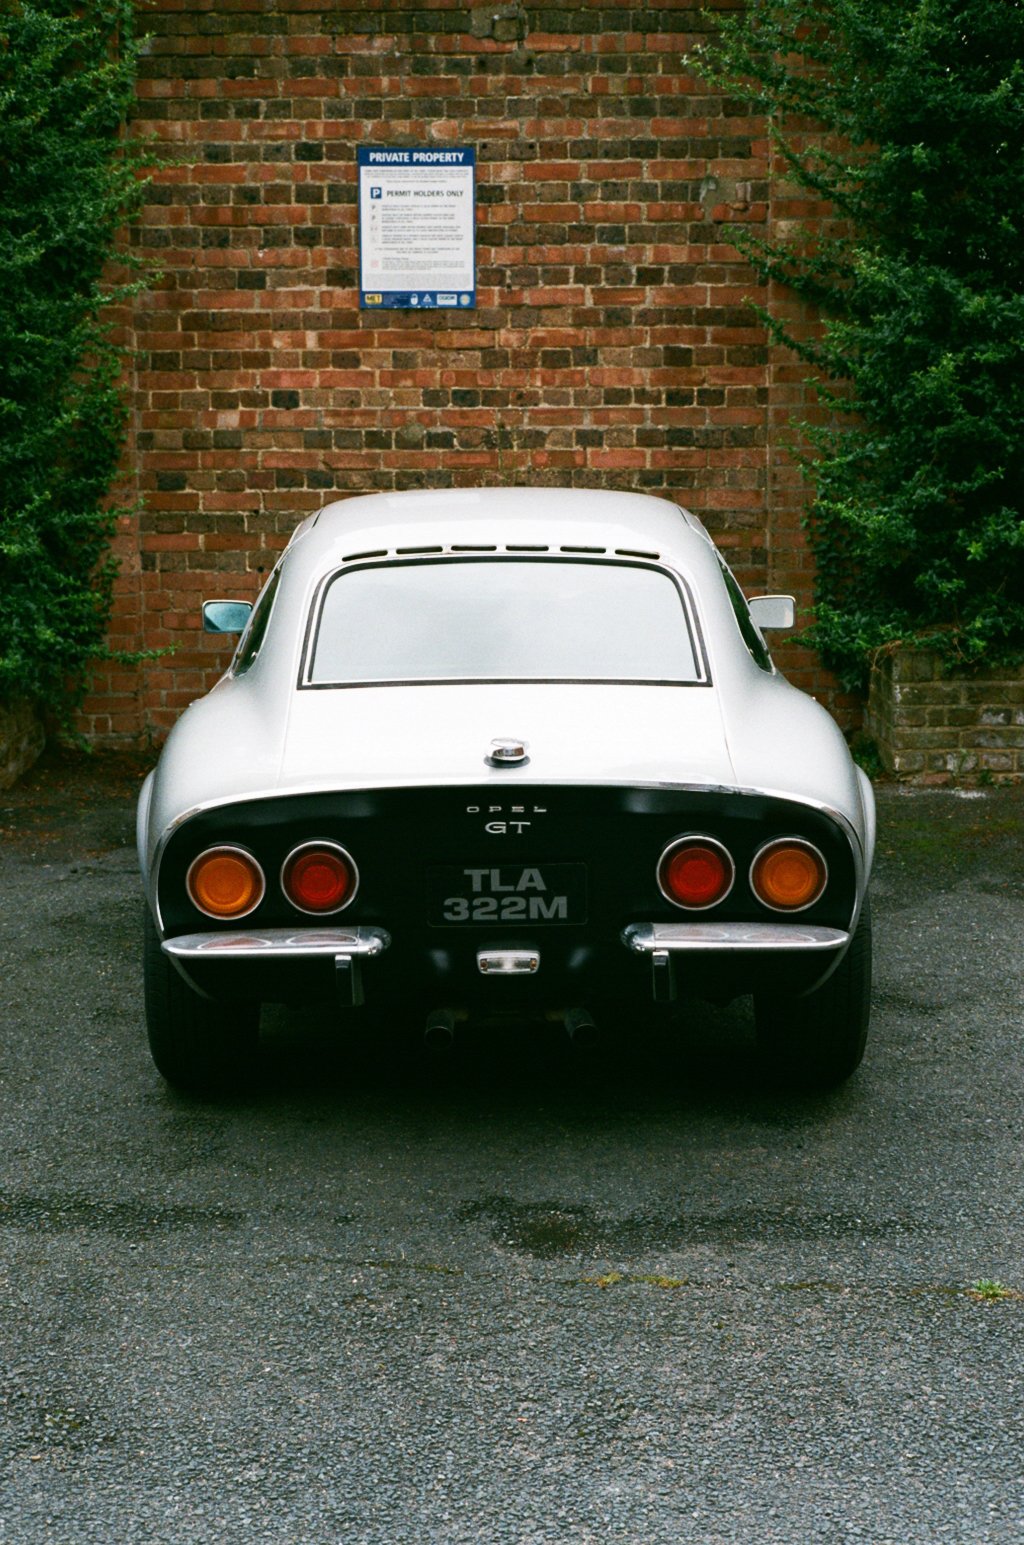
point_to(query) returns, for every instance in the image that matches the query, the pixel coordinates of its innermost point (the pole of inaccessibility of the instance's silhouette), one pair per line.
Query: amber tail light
(319, 878)
(695, 872)
(788, 875)
(225, 882)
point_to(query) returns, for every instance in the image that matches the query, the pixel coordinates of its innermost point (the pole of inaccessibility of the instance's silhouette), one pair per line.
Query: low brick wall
(931, 727)
(22, 739)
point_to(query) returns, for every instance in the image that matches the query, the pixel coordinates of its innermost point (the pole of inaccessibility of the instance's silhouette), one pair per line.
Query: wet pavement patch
(124, 1220)
(548, 1230)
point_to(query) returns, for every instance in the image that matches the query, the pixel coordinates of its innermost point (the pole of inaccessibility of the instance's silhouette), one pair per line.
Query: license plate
(508, 893)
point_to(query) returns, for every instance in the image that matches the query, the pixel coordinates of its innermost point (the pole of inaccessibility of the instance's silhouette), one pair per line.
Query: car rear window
(503, 620)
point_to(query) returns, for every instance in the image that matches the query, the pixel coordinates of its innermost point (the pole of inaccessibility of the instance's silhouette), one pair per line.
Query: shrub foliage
(68, 179)
(916, 120)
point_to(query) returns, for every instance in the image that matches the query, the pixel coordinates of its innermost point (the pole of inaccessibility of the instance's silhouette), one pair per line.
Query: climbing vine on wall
(69, 178)
(907, 123)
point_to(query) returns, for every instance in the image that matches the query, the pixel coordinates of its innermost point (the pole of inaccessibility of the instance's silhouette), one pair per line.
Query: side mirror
(773, 611)
(225, 616)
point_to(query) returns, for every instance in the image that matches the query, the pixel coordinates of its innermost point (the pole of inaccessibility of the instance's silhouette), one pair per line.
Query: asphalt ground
(649, 1299)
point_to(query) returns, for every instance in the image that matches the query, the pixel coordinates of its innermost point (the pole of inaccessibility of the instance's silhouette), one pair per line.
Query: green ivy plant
(907, 122)
(69, 179)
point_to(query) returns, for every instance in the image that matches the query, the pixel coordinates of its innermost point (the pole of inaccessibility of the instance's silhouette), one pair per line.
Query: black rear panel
(452, 871)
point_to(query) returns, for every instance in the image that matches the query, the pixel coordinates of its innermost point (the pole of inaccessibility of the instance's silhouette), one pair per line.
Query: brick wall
(612, 345)
(933, 727)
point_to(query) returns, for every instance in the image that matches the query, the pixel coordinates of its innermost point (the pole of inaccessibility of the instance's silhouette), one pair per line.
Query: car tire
(197, 1045)
(818, 1040)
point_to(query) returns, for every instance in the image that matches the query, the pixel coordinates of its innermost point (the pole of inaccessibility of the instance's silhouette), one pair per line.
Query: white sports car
(504, 750)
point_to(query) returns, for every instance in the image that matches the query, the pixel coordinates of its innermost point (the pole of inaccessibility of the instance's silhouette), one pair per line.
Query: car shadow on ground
(703, 1059)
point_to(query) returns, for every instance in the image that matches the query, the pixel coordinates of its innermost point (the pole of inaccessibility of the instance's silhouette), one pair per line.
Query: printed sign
(417, 240)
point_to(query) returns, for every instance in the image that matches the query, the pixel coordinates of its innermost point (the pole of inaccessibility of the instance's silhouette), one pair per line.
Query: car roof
(537, 519)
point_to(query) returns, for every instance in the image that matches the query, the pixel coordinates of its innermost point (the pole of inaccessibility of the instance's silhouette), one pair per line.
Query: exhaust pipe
(439, 1032)
(581, 1030)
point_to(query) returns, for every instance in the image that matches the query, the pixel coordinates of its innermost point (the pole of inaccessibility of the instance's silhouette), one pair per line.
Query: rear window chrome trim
(691, 619)
(497, 681)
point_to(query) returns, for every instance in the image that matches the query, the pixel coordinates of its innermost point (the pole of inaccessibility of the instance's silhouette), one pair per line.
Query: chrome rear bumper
(346, 947)
(661, 942)
(278, 943)
(647, 938)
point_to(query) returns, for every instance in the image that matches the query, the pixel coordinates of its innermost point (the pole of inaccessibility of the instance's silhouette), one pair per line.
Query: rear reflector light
(695, 872)
(319, 877)
(225, 882)
(788, 875)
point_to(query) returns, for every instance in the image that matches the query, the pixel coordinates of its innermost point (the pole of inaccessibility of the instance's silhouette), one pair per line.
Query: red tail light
(788, 875)
(319, 877)
(225, 882)
(695, 872)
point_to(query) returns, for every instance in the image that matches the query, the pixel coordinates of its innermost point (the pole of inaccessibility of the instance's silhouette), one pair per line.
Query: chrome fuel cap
(507, 751)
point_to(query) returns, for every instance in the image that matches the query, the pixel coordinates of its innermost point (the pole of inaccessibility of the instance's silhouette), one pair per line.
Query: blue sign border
(424, 155)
